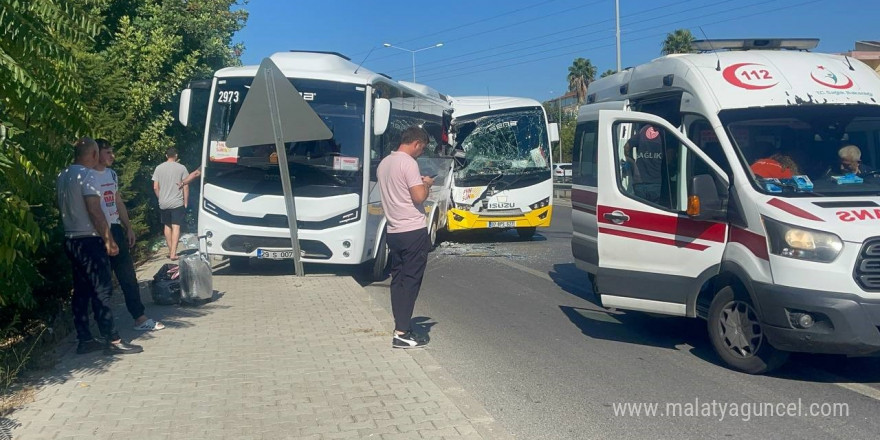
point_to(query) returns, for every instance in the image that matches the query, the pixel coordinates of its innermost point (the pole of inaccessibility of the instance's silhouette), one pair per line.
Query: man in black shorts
(172, 198)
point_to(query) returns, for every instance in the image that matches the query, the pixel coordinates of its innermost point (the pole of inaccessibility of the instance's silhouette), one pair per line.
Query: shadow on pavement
(574, 281)
(69, 365)
(6, 428)
(643, 329)
(422, 325)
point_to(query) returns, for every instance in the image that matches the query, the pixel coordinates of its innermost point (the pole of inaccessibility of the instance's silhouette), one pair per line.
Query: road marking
(525, 269)
(865, 390)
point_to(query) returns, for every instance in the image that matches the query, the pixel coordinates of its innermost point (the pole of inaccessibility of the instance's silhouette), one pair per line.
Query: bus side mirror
(705, 200)
(554, 132)
(381, 115)
(183, 110)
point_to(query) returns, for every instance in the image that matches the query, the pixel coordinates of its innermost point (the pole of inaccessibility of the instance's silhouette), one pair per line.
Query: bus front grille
(247, 244)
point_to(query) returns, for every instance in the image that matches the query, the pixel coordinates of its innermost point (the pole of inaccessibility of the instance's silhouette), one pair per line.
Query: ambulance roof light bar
(756, 44)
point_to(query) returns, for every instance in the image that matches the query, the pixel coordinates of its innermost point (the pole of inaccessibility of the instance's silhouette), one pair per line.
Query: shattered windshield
(317, 168)
(500, 143)
(809, 150)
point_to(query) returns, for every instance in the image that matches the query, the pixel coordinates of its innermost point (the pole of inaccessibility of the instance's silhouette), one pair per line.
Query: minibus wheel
(737, 335)
(433, 233)
(376, 267)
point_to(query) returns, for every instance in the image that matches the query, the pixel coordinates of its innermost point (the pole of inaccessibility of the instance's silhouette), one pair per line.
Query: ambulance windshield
(809, 150)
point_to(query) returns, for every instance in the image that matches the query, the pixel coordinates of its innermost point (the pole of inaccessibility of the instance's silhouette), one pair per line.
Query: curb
(480, 419)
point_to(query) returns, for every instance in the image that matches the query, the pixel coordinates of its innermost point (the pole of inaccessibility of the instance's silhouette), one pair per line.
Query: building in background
(569, 105)
(867, 52)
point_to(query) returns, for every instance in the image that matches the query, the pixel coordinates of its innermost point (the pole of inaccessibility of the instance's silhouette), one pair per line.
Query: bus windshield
(317, 168)
(809, 150)
(501, 142)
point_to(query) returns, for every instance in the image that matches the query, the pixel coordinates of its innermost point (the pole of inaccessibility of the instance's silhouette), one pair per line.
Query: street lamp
(413, 52)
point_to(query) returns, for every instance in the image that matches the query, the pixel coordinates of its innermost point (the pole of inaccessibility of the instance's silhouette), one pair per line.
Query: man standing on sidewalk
(88, 243)
(123, 234)
(403, 192)
(172, 198)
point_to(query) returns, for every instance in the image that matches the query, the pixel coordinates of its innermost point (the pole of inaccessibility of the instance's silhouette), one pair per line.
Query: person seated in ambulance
(773, 164)
(648, 157)
(777, 166)
(849, 162)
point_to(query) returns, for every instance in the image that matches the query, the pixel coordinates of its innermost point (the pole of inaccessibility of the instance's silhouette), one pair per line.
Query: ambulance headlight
(802, 243)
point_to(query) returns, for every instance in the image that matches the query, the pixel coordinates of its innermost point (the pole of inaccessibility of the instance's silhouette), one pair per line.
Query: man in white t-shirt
(123, 234)
(403, 192)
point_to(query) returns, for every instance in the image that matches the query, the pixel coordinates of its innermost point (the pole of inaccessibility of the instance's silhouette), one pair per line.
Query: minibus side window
(585, 154)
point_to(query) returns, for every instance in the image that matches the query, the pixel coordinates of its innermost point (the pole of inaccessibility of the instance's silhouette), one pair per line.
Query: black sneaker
(122, 347)
(407, 340)
(89, 346)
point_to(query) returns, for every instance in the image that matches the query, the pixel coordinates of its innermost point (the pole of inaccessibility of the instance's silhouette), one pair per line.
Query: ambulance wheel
(526, 233)
(239, 264)
(377, 267)
(737, 336)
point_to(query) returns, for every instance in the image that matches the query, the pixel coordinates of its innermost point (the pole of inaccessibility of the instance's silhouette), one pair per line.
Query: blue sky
(524, 47)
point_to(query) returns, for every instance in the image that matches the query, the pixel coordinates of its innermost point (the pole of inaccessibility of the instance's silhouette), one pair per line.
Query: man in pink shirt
(403, 192)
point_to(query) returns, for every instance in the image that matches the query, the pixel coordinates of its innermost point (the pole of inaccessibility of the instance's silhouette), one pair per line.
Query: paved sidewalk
(275, 357)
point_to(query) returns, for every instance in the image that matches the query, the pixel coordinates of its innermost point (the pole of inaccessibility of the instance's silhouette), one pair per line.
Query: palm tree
(580, 74)
(608, 72)
(678, 41)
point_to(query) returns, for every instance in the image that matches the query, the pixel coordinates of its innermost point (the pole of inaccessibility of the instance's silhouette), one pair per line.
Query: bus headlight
(801, 243)
(541, 204)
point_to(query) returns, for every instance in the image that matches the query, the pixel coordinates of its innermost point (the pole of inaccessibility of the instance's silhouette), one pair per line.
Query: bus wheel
(239, 264)
(433, 233)
(376, 268)
(526, 233)
(737, 335)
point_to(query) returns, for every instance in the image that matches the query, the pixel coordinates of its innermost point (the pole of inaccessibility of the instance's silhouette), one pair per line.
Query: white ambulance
(737, 185)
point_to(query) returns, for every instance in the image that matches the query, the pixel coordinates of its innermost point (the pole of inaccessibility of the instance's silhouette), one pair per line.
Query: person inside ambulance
(773, 165)
(647, 150)
(849, 162)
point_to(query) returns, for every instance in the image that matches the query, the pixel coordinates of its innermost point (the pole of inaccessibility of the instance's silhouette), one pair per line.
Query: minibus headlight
(802, 243)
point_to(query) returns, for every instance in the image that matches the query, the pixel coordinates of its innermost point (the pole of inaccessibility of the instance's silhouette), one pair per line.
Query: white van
(711, 185)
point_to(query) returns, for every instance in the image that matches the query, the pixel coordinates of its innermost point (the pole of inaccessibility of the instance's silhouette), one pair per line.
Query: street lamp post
(413, 52)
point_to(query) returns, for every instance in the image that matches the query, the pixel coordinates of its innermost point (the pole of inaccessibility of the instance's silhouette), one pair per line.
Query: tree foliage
(103, 68)
(678, 41)
(608, 72)
(580, 74)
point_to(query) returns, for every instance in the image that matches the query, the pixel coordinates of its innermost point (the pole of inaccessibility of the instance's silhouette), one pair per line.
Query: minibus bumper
(841, 323)
(458, 219)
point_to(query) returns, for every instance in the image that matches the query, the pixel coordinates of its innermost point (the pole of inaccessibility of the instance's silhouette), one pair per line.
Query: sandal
(149, 325)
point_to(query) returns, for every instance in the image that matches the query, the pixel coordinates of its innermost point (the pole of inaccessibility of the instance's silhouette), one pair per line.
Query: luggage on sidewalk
(197, 279)
(165, 287)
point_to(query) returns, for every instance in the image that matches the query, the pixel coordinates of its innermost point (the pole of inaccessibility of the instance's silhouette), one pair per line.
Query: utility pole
(559, 126)
(617, 30)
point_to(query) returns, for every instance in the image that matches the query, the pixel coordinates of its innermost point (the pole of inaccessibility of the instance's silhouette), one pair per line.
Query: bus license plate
(502, 224)
(274, 255)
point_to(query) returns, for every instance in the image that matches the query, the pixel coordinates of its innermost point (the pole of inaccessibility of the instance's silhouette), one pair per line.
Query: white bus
(503, 176)
(340, 219)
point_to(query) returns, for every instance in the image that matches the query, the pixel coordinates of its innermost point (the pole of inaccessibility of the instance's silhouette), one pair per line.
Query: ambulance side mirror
(706, 200)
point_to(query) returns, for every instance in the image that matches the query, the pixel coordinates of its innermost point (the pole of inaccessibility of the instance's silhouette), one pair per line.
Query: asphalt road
(517, 326)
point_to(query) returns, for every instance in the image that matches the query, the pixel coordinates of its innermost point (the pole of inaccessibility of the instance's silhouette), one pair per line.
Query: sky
(524, 47)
